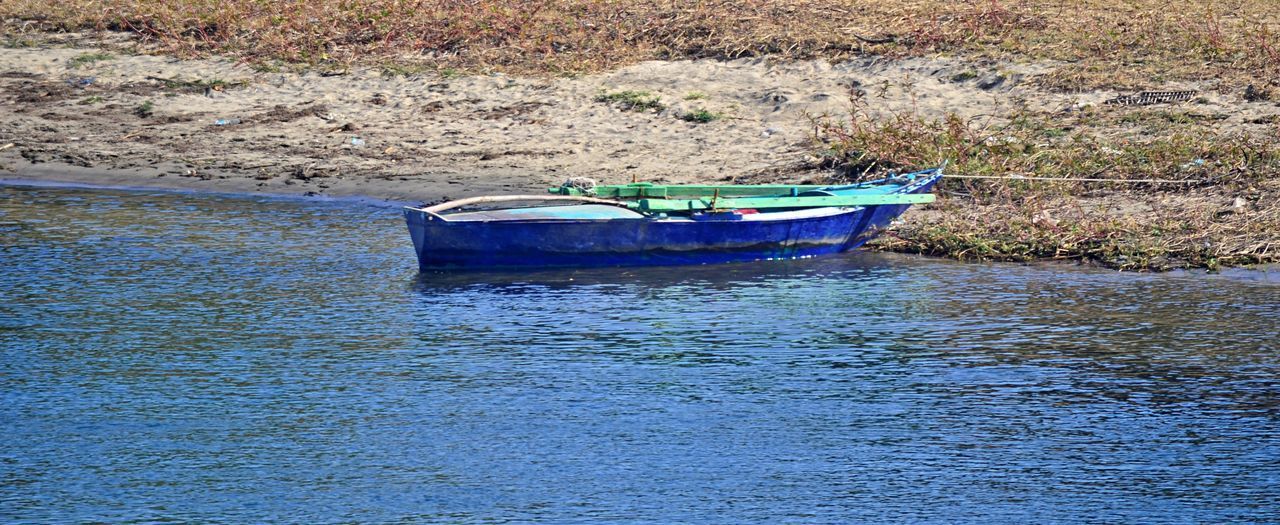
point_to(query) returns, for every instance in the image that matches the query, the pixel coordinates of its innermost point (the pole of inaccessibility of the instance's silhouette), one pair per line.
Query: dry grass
(1218, 203)
(1170, 232)
(1125, 145)
(1116, 43)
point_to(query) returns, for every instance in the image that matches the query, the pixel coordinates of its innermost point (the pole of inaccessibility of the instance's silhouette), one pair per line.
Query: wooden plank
(664, 205)
(652, 190)
(636, 191)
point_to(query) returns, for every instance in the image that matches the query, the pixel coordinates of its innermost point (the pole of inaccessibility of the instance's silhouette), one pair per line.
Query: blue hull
(718, 238)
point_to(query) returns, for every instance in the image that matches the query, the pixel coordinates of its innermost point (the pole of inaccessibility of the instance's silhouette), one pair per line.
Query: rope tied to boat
(583, 184)
(1072, 179)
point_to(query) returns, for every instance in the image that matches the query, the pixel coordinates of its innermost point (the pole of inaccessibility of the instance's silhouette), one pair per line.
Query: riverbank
(98, 108)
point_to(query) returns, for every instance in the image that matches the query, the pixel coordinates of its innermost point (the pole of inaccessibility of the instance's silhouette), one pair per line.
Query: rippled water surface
(173, 357)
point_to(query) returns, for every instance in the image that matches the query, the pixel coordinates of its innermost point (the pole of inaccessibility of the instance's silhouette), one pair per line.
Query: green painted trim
(663, 205)
(643, 189)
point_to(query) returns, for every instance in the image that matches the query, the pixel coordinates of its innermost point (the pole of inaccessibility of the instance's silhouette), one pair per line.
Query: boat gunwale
(779, 215)
(915, 181)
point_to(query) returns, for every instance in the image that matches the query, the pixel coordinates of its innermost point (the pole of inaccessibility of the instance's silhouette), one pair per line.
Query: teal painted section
(585, 211)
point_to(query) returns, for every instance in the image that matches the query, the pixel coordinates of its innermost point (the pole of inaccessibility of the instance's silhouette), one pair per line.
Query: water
(174, 357)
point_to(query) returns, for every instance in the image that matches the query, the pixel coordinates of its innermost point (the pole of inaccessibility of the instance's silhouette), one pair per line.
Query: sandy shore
(152, 120)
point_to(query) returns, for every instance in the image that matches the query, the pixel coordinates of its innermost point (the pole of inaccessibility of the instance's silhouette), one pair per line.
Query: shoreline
(213, 124)
(219, 192)
(90, 179)
(68, 176)
(82, 178)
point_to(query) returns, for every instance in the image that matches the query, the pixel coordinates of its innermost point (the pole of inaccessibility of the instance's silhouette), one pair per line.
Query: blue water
(192, 358)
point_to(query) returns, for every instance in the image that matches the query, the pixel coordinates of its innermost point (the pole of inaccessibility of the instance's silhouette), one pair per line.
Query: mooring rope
(585, 185)
(1069, 179)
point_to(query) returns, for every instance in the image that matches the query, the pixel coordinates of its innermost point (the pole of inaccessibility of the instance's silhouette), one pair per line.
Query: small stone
(1043, 218)
(774, 97)
(1255, 94)
(991, 81)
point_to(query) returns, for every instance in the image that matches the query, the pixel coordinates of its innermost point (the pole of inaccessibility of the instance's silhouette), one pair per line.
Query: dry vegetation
(1185, 193)
(1205, 234)
(1128, 43)
(1225, 185)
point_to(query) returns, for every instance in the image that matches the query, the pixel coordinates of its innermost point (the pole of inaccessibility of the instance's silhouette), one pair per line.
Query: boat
(643, 224)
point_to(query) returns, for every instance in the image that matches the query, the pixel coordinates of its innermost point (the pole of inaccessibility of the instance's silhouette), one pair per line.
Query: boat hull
(717, 238)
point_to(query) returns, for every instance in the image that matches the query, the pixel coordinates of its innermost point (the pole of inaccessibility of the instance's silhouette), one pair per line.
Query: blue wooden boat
(645, 224)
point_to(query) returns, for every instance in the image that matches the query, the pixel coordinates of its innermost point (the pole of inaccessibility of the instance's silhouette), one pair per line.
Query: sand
(144, 120)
